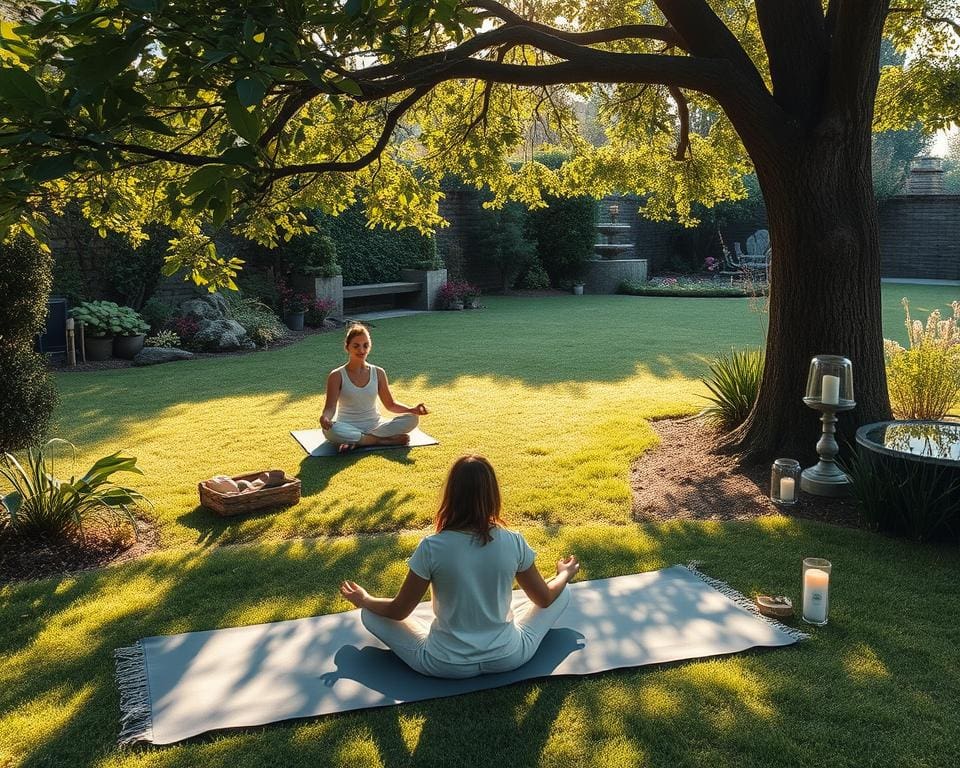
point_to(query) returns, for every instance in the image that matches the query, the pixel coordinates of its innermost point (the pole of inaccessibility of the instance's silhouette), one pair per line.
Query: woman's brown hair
(471, 498)
(355, 329)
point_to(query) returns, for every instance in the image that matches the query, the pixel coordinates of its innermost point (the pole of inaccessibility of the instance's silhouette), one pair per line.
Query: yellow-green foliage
(924, 380)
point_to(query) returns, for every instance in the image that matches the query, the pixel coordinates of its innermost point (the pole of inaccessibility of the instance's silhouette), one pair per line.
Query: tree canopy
(194, 113)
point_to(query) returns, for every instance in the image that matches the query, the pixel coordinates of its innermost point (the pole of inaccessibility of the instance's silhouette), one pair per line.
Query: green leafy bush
(156, 314)
(918, 500)
(27, 396)
(27, 393)
(534, 278)
(734, 382)
(564, 233)
(40, 504)
(258, 320)
(106, 318)
(312, 254)
(375, 255)
(924, 380)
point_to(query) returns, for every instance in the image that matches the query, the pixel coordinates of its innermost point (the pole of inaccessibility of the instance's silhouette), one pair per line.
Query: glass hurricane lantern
(829, 390)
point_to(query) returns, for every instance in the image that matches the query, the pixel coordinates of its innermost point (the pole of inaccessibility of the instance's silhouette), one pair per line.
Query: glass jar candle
(830, 383)
(816, 590)
(785, 481)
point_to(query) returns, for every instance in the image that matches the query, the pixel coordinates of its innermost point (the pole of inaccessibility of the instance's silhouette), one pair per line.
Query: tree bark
(824, 289)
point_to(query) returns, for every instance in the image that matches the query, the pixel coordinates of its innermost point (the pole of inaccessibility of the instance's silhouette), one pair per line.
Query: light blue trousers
(343, 432)
(408, 639)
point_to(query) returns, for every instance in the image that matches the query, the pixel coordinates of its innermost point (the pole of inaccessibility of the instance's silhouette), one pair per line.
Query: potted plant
(450, 295)
(318, 310)
(471, 295)
(294, 307)
(129, 332)
(578, 288)
(96, 317)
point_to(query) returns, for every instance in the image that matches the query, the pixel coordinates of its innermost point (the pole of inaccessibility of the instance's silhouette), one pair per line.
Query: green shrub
(27, 393)
(259, 286)
(156, 313)
(134, 273)
(918, 500)
(375, 255)
(312, 254)
(106, 318)
(40, 504)
(27, 396)
(924, 380)
(534, 278)
(564, 233)
(734, 382)
(257, 319)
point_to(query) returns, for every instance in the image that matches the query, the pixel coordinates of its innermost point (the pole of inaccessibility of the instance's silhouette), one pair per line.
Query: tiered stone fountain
(609, 267)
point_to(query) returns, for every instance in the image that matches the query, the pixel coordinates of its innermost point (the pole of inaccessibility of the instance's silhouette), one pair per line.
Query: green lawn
(557, 392)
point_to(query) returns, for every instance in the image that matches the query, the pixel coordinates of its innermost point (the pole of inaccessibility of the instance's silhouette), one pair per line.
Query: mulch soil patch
(684, 478)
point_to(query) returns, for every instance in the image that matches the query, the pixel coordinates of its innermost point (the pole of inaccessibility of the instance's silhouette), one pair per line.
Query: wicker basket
(279, 490)
(776, 606)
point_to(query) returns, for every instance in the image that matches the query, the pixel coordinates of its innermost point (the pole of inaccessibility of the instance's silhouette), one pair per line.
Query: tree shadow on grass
(722, 711)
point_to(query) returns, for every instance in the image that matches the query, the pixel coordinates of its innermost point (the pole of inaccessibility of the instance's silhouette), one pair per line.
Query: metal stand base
(825, 479)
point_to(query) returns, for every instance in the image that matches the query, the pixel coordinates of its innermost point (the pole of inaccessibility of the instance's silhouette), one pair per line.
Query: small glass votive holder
(816, 590)
(785, 482)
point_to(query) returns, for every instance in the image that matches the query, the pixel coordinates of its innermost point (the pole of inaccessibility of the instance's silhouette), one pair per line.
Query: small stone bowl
(775, 606)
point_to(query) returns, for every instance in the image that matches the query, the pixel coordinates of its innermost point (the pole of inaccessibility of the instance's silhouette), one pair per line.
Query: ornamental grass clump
(734, 382)
(40, 504)
(258, 320)
(924, 379)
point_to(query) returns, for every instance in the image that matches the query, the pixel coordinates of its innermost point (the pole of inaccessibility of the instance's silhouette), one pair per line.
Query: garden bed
(695, 286)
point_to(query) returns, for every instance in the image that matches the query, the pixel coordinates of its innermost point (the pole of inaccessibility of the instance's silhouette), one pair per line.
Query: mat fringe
(743, 601)
(136, 716)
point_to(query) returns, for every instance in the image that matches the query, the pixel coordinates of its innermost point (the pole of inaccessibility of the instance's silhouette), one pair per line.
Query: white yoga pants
(343, 432)
(408, 639)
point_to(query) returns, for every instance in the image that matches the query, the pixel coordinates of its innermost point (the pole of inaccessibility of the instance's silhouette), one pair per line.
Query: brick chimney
(926, 176)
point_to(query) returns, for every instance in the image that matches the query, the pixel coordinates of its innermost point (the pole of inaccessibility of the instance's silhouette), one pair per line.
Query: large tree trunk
(824, 289)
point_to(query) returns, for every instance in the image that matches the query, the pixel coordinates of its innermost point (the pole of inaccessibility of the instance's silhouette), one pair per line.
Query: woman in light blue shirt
(470, 564)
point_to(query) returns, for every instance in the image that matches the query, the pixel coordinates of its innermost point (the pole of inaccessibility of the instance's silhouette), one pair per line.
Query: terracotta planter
(98, 347)
(126, 347)
(293, 320)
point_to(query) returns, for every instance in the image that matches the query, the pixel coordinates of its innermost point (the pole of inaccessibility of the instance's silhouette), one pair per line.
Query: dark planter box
(126, 347)
(98, 347)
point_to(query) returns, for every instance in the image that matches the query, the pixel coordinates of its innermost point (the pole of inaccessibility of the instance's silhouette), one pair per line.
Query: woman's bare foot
(395, 440)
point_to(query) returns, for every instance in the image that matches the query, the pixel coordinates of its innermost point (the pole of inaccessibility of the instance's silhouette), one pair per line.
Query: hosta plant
(40, 504)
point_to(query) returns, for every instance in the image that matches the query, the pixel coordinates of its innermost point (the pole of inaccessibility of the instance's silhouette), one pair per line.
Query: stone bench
(418, 288)
(380, 289)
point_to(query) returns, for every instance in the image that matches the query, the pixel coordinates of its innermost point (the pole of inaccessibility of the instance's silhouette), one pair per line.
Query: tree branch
(854, 69)
(683, 115)
(368, 157)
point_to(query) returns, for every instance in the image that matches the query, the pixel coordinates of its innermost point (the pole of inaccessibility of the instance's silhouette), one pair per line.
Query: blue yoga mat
(177, 686)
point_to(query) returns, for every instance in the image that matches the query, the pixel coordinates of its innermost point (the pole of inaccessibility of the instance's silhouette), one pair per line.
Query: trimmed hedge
(27, 394)
(375, 255)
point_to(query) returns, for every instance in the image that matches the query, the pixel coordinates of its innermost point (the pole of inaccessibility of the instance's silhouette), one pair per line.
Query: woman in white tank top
(350, 417)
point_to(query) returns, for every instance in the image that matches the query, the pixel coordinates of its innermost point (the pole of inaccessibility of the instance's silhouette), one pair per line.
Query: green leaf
(144, 6)
(315, 74)
(251, 91)
(19, 89)
(353, 8)
(49, 168)
(239, 156)
(244, 122)
(349, 86)
(203, 178)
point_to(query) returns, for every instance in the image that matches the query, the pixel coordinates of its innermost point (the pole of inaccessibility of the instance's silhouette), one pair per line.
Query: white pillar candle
(830, 390)
(815, 585)
(788, 489)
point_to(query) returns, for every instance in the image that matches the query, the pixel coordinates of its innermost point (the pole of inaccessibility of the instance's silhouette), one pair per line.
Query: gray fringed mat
(314, 443)
(178, 686)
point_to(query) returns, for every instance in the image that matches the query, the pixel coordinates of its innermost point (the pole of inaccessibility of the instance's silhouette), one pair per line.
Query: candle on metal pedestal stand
(829, 390)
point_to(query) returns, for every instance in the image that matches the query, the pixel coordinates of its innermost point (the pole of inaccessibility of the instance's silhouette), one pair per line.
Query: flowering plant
(293, 301)
(450, 293)
(711, 264)
(318, 310)
(469, 291)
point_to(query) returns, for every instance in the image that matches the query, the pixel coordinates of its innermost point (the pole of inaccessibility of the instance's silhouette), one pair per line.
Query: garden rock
(154, 355)
(222, 336)
(217, 331)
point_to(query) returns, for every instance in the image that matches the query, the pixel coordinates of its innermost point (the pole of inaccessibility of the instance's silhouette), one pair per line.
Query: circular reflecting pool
(935, 442)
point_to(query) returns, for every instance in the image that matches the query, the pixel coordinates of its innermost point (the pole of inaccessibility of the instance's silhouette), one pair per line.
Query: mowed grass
(538, 386)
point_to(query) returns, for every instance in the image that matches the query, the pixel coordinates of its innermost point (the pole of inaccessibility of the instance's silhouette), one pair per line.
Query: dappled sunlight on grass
(863, 664)
(27, 727)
